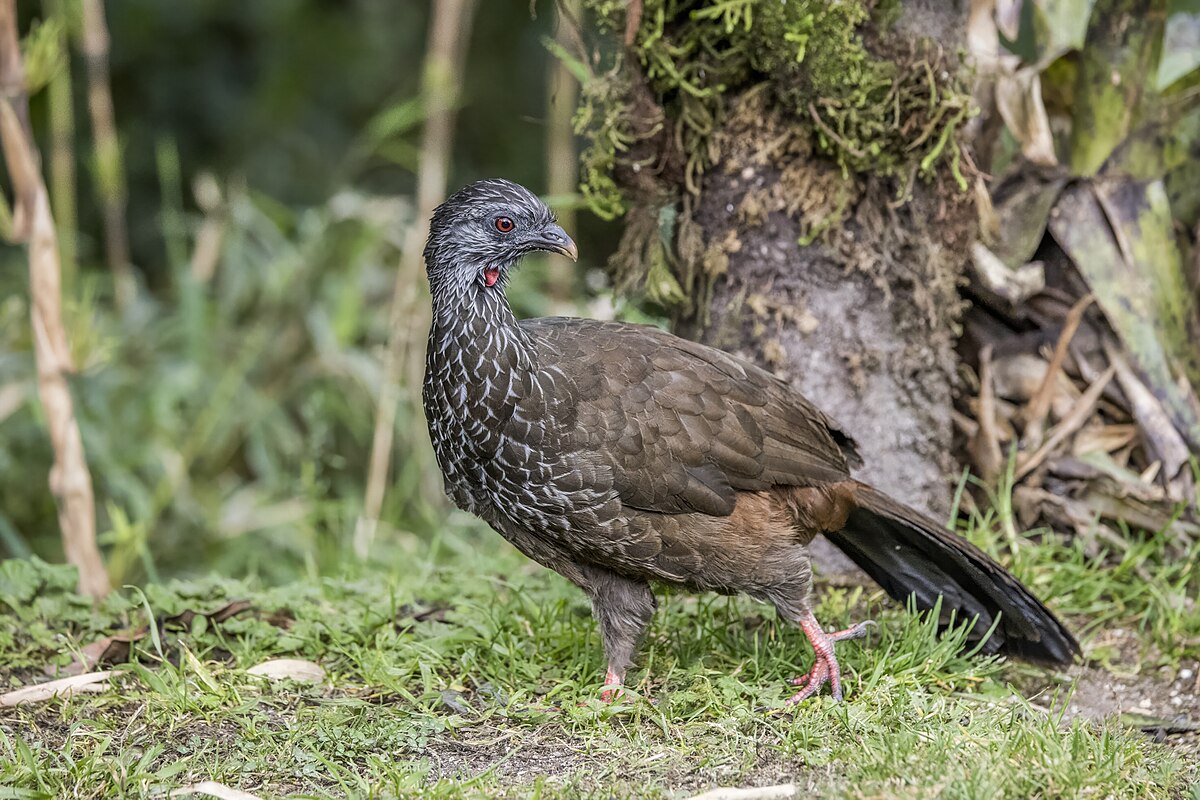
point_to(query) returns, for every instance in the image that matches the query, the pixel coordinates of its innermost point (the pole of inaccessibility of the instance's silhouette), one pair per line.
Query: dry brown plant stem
(110, 173)
(449, 32)
(1039, 406)
(1070, 424)
(62, 149)
(562, 157)
(985, 443)
(33, 225)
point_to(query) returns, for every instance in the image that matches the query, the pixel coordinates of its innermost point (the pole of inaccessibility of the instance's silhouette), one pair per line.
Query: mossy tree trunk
(795, 192)
(864, 327)
(796, 187)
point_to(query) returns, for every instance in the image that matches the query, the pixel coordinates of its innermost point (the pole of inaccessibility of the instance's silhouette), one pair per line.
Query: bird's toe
(854, 631)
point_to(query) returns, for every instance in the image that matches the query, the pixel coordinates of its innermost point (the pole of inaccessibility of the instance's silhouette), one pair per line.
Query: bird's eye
(504, 224)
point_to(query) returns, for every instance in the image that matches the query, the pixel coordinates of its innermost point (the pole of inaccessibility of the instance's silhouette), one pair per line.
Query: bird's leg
(623, 608)
(825, 666)
(612, 685)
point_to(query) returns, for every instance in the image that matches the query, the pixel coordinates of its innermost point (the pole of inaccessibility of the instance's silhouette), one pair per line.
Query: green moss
(888, 109)
(887, 13)
(604, 116)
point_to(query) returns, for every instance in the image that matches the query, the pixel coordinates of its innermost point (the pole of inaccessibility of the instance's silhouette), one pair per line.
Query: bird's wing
(683, 425)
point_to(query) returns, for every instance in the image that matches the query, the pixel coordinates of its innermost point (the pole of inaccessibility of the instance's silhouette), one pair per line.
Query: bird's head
(485, 228)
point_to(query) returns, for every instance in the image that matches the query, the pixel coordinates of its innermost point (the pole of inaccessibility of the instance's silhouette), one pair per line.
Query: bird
(624, 457)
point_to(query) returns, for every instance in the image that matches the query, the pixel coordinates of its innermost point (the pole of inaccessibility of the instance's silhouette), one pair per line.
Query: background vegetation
(270, 152)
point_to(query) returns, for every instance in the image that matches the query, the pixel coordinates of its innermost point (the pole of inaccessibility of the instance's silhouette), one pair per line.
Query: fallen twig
(1039, 404)
(985, 444)
(1073, 421)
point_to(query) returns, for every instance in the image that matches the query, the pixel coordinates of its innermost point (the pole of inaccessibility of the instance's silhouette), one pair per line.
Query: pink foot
(825, 667)
(612, 687)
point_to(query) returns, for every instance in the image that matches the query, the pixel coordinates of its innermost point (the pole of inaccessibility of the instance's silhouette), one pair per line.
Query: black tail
(909, 554)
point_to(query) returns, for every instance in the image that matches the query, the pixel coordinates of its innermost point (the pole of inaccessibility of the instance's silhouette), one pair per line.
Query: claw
(854, 631)
(823, 670)
(825, 667)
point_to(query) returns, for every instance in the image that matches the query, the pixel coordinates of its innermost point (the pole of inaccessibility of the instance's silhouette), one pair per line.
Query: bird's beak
(555, 240)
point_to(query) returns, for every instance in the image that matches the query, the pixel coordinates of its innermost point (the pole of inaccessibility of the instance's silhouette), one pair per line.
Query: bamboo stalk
(110, 173)
(33, 224)
(449, 32)
(62, 150)
(562, 158)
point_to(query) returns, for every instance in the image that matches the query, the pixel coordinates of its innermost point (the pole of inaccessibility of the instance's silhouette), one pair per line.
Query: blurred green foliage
(240, 407)
(284, 93)
(227, 415)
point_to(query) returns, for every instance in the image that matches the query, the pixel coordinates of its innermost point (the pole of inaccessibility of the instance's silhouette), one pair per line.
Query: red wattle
(490, 276)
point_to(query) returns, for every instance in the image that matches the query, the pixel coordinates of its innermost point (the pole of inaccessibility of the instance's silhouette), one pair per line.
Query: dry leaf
(184, 618)
(1125, 481)
(63, 687)
(1120, 236)
(214, 789)
(1018, 377)
(115, 649)
(296, 669)
(983, 40)
(1008, 18)
(777, 792)
(1156, 426)
(1104, 438)
(1012, 285)
(109, 650)
(1022, 201)
(1019, 100)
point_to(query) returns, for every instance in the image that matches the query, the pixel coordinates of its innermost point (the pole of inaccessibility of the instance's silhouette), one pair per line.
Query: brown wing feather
(684, 426)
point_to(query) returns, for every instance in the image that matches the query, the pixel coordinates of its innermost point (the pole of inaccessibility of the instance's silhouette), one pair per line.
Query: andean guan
(619, 455)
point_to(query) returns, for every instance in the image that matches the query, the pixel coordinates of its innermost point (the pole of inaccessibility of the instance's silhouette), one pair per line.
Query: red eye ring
(504, 224)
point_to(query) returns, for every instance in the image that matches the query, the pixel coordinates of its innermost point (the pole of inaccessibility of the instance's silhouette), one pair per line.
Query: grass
(467, 671)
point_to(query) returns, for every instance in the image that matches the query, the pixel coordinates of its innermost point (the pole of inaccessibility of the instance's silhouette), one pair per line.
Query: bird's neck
(475, 331)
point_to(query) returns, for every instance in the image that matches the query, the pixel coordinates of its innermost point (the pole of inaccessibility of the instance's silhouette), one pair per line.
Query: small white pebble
(1144, 702)
(1176, 700)
(729, 208)
(748, 173)
(1185, 674)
